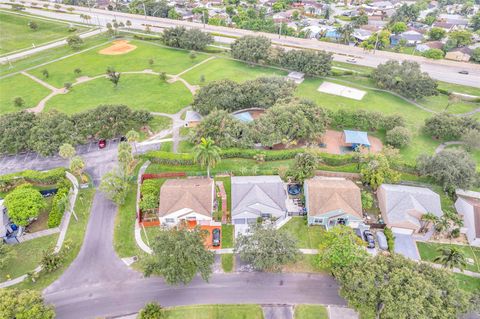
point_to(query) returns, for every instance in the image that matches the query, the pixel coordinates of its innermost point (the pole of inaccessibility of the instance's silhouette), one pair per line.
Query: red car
(102, 143)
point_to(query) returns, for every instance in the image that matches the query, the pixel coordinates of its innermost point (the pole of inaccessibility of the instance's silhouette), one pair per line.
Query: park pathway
(442, 146)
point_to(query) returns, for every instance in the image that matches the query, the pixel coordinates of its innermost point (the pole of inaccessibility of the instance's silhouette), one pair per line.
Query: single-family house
(314, 31)
(361, 34)
(332, 201)
(468, 206)
(422, 47)
(444, 25)
(459, 54)
(188, 200)
(411, 38)
(257, 196)
(192, 118)
(312, 7)
(402, 206)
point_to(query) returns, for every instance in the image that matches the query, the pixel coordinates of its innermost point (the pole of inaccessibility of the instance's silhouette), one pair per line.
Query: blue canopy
(356, 138)
(244, 117)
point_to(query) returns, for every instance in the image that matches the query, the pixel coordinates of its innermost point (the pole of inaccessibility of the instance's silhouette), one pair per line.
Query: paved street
(129, 295)
(443, 70)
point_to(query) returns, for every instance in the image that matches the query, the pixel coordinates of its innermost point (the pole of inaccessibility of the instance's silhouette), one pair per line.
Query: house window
(169, 220)
(265, 215)
(317, 220)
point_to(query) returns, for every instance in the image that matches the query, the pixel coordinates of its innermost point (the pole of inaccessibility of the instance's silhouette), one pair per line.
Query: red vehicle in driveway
(102, 143)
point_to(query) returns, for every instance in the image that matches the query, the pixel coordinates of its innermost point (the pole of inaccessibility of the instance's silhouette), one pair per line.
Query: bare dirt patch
(118, 47)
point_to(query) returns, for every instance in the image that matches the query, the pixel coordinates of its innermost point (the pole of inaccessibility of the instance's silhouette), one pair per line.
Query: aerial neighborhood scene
(240, 159)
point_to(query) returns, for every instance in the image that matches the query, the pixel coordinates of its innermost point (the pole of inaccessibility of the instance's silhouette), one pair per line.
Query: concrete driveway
(405, 245)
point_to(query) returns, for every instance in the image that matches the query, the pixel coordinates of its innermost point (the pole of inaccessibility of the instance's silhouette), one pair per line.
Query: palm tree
(346, 32)
(428, 219)
(451, 257)
(207, 154)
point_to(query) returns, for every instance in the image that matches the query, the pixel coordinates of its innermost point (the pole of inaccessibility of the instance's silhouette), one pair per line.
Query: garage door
(405, 231)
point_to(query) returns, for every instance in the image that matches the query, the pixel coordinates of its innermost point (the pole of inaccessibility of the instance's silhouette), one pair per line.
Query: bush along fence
(10, 181)
(149, 195)
(59, 202)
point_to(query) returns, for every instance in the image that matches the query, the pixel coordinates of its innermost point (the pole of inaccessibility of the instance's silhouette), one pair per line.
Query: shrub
(398, 137)
(9, 181)
(390, 239)
(59, 203)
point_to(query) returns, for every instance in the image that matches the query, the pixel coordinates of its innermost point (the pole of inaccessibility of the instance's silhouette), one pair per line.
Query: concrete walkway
(442, 146)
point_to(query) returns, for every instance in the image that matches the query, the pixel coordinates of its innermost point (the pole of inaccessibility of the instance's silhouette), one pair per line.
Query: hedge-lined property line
(63, 229)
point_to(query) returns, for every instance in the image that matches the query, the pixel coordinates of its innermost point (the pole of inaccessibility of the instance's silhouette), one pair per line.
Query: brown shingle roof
(193, 193)
(330, 194)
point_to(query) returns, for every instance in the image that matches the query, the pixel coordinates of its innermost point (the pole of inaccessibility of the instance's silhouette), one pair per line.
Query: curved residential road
(443, 70)
(99, 284)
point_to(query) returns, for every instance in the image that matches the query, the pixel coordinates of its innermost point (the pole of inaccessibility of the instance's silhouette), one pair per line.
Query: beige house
(459, 54)
(332, 201)
(188, 200)
(402, 207)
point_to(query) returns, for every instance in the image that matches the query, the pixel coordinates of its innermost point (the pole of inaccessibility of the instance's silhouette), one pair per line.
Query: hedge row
(59, 203)
(10, 181)
(168, 158)
(390, 239)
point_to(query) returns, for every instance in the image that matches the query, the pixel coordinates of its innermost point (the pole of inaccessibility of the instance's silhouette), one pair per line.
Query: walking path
(38, 234)
(23, 54)
(62, 228)
(442, 146)
(138, 228)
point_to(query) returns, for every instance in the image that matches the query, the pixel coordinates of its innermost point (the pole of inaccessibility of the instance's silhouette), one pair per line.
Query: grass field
(93, 63)
(310, 312)
(228, 261)
(131, 91)
(467, 283)
(227, 236)
(15, 34)
(26, 256)
(220, 68)
(215, 312)
(429, 251)
(307, 237)
(15, 86)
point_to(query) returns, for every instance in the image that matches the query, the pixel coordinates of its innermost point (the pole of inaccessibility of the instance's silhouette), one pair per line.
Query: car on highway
(463, 72)
(102, 143)
(368, 237)
(351, 61)
(216, 237)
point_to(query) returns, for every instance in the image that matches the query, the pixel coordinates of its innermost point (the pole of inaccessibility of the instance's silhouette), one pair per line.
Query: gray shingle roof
(257, 194)
(401, 201)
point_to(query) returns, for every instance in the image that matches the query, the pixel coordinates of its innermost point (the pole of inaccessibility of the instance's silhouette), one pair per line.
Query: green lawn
(428, 251)
(307, 236)
(16, 86)
(74, 239)
(26, 256)
(162, 97)
(228, 261)
(93, 63)
(124, 237)
(440, 102)
(235, 165)
(310, 312)
(221, 68)
(15, 34)
(157, 124)
(215, 312)
(382, 102)
(227, 236)
(468, 283)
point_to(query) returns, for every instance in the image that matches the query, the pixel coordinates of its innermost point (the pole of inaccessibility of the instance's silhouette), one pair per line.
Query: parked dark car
(102, 143)
(463, 72)
(216, 237)
(368, 236)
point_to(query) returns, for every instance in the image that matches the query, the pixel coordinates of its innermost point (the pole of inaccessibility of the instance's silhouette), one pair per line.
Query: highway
(442, 70)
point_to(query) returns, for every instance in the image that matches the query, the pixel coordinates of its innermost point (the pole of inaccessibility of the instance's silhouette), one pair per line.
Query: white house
(468, 206)
(188, 200)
